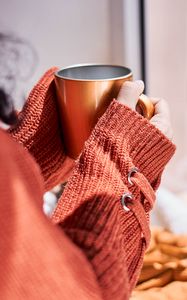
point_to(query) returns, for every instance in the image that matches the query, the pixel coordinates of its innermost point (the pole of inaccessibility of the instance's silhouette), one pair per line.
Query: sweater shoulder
(17, 163)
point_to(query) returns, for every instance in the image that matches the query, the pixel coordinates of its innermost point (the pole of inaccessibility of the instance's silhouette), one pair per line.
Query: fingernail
(140, 84)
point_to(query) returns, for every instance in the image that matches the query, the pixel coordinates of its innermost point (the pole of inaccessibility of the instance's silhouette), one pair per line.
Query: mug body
(84, 93)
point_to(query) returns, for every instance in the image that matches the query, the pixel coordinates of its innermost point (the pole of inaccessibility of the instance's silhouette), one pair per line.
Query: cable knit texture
(96, 251)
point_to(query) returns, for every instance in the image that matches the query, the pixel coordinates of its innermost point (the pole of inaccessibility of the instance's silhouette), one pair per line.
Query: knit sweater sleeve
(39, 131)
(113, 239)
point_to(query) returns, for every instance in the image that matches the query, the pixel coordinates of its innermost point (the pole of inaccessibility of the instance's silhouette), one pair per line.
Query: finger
(130, 92)
(161, 107)
(161, 118)
(163, 124)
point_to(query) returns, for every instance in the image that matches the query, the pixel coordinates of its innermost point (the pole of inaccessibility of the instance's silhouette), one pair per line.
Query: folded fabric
(164, 272)
(172, 291)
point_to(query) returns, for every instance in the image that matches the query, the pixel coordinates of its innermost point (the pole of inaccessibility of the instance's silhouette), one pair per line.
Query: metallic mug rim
(95, 65)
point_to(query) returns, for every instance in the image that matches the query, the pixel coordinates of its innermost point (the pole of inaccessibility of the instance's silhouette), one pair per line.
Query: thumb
(130, 92)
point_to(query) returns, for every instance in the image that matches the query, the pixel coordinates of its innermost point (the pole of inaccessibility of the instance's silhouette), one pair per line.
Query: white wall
(66, 32)
(63, 32)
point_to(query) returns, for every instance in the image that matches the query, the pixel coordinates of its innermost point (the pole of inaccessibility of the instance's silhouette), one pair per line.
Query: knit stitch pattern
(92, 248)
(37, 260)
(95, 220)
(38, 130)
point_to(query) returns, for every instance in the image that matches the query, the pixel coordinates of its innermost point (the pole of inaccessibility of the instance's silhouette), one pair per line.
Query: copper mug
(84, 93)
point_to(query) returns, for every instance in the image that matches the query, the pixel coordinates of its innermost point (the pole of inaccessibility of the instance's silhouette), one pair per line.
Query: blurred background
(148, 36)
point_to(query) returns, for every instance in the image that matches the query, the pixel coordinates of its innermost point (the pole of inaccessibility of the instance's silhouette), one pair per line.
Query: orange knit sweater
(96, 250)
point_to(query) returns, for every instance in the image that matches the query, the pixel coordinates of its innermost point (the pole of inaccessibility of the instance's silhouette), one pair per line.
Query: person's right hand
(129, 95)
(161, 118)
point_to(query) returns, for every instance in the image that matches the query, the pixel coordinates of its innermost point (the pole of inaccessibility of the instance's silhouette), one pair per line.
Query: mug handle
(145, 107)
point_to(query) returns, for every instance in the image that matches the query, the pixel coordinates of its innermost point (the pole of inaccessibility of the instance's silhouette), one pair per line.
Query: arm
(37, 260)
(39, 132)
(114, 240)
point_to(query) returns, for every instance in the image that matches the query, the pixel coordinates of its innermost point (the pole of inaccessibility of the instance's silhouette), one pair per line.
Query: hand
(129, 95)
(130, 92)
(161, 118)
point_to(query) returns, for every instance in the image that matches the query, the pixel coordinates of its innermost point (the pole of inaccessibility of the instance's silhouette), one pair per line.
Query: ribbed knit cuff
(149, 149)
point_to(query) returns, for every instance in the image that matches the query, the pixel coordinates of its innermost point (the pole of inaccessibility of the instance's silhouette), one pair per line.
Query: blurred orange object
(164, 272)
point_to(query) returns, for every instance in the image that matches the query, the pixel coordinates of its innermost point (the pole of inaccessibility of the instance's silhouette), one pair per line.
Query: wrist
(149, 149)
